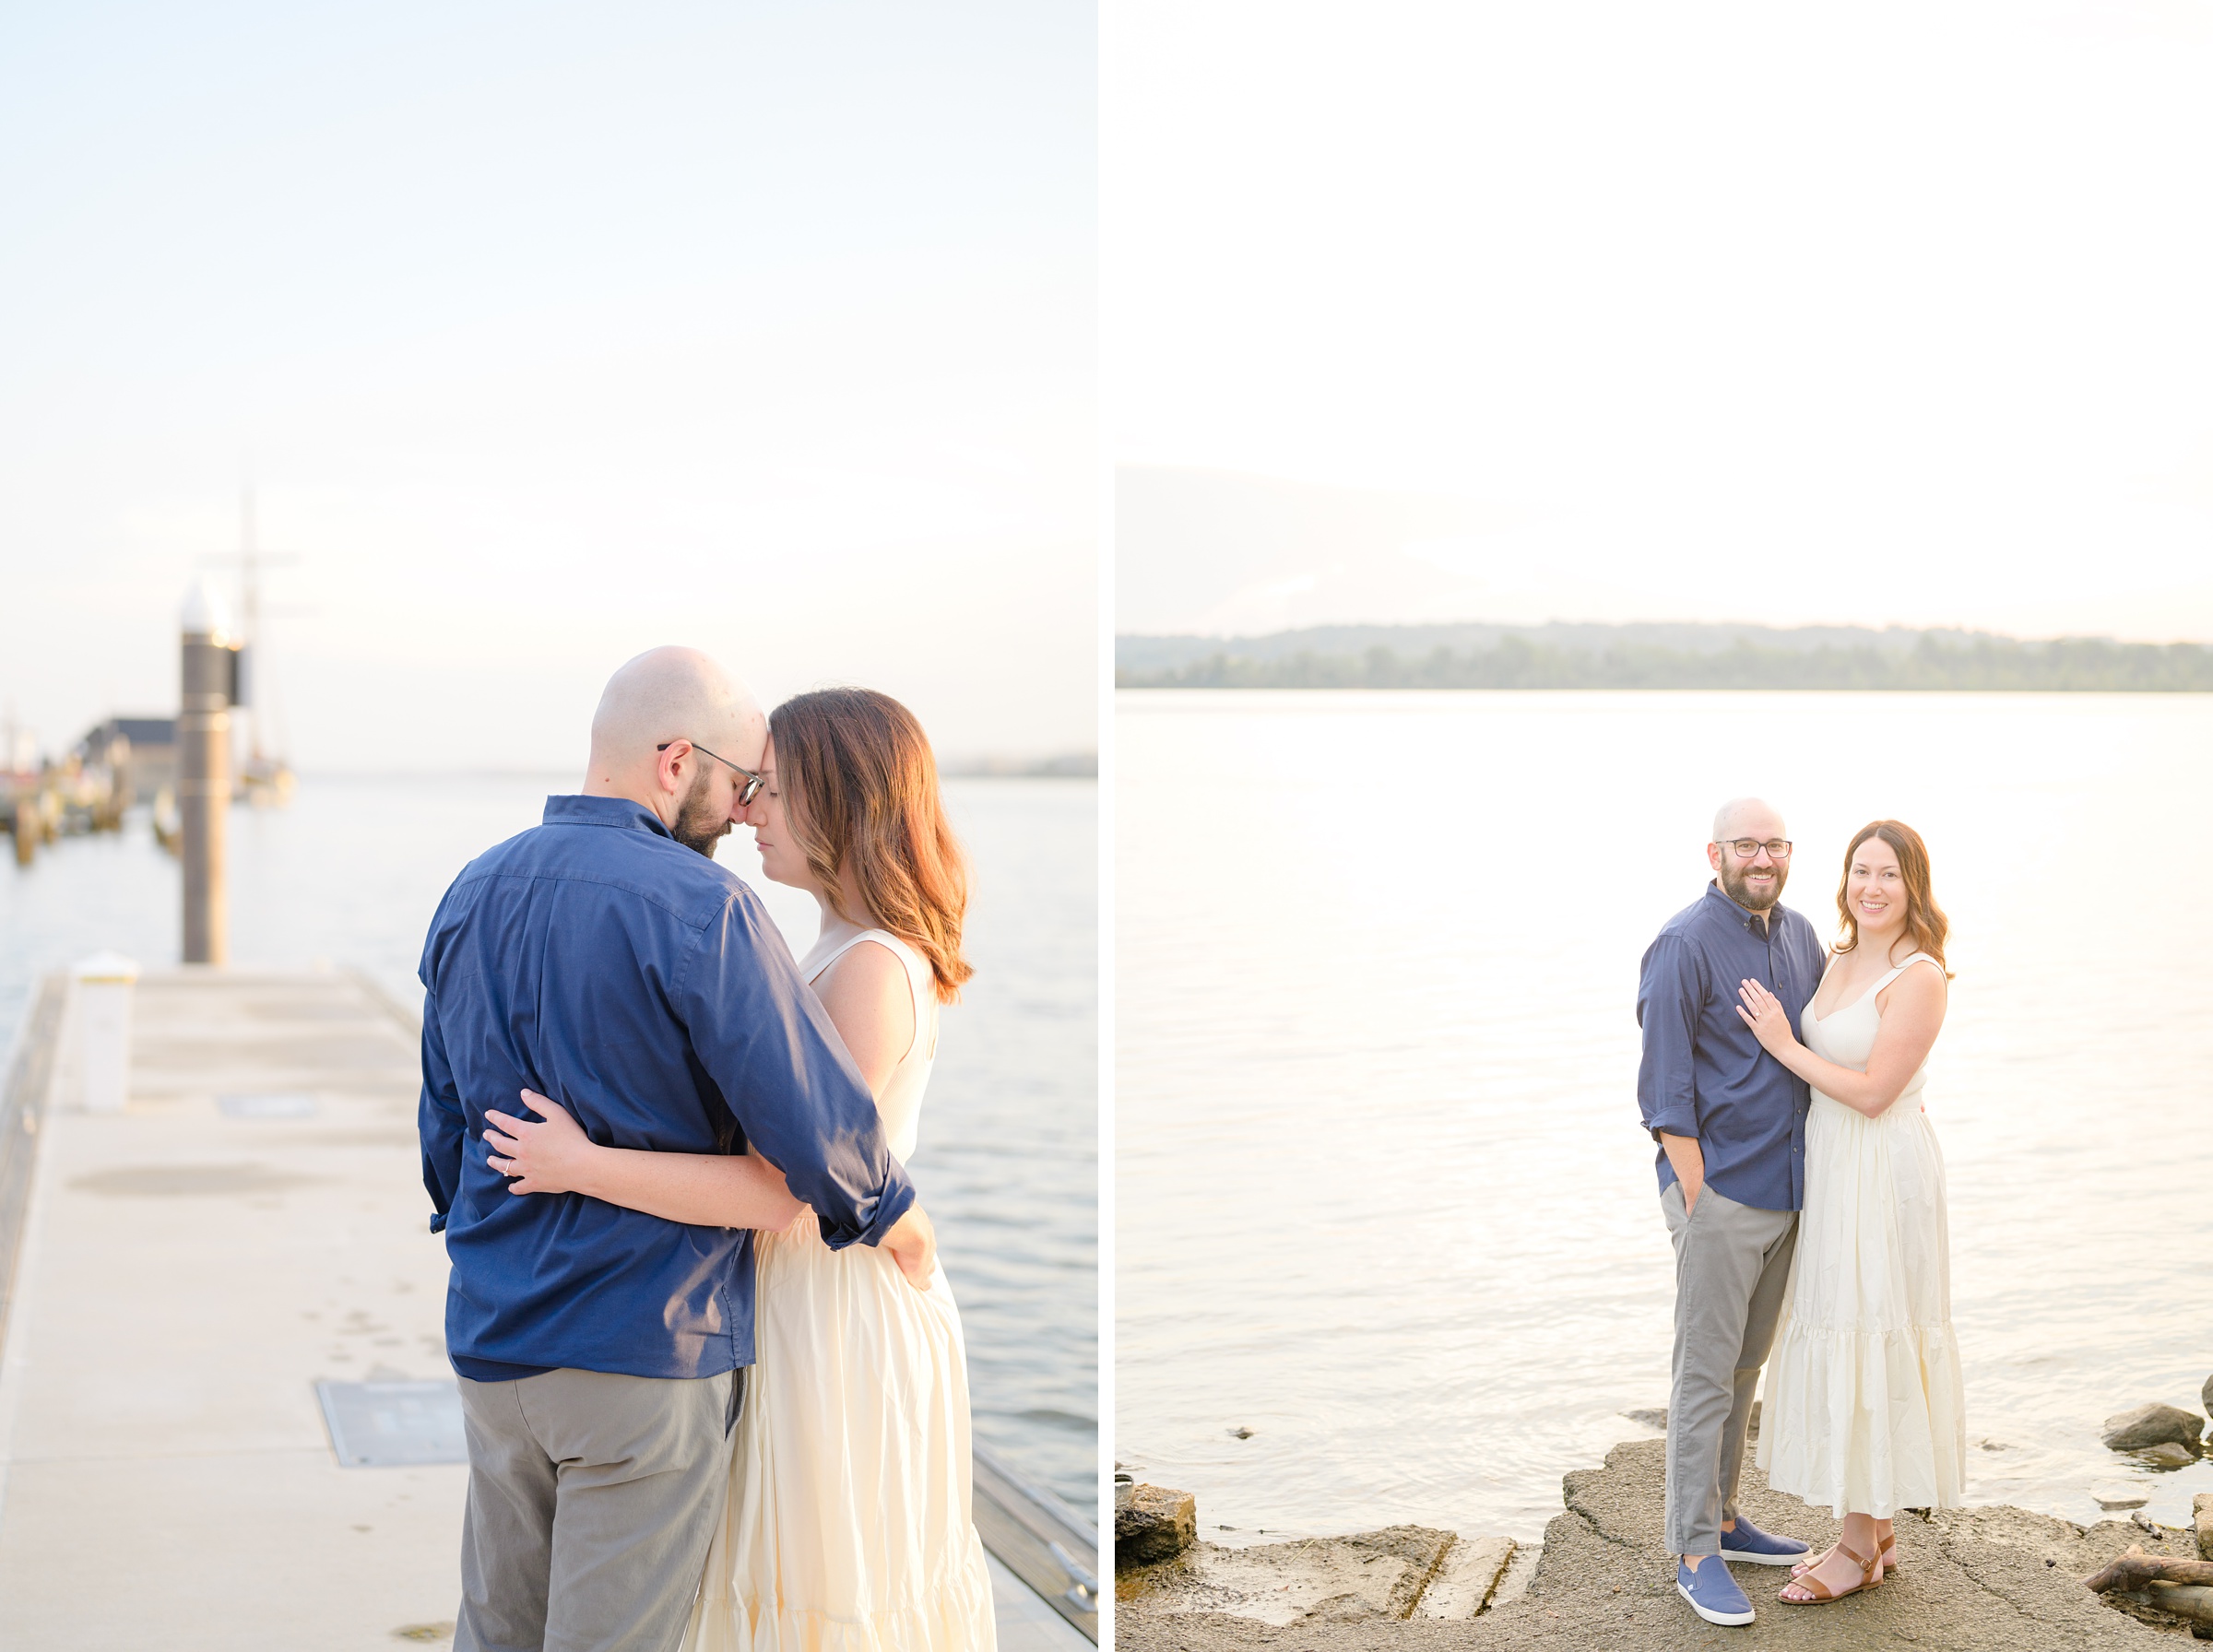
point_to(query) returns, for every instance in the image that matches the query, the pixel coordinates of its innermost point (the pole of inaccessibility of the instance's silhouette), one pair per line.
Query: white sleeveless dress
(848, 1526)
(1864, 1407)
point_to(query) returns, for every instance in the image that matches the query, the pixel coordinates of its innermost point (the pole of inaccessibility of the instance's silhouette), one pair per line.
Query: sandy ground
(1972, 1580)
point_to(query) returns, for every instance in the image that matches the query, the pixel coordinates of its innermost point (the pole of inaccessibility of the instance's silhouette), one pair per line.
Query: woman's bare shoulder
(865, 968)
(1923, 983)
(867, 995)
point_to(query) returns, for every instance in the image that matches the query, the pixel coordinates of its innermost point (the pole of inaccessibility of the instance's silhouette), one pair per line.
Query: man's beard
(697, 826)
(1733, 886)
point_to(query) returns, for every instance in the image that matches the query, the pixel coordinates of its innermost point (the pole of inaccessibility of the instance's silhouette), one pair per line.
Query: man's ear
(669, 768)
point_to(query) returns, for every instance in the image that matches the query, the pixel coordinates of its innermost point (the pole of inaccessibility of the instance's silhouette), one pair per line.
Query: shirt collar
(575, 810)
(1759, 924)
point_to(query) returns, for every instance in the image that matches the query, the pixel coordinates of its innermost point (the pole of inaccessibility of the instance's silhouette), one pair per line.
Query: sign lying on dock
(282, 1104)
(394, 1424)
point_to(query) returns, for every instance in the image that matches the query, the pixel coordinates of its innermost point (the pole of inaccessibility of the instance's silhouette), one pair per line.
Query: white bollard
(104, 1029)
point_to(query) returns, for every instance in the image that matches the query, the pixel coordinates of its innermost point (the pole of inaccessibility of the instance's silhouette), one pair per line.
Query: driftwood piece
(2184, 1600)
(2137, 1569)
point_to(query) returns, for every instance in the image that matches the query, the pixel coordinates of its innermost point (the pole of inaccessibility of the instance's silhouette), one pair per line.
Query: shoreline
(1976, 1579)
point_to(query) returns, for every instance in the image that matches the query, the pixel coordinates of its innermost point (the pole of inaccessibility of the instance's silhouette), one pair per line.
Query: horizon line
(984, 768)
(1962, 630)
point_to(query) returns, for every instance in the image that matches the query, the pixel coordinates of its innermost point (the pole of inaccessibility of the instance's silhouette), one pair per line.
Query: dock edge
(1040, 1538)
(23, 1099)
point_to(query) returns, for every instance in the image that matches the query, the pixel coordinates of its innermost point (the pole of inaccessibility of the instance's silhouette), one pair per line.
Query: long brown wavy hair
(860, 788)
(1926, 924)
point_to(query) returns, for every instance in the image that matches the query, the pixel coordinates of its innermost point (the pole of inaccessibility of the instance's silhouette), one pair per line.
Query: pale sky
(1883, 313)
(546, 333)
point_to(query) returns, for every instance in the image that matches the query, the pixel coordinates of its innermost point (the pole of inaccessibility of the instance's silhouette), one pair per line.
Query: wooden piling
(209, 678)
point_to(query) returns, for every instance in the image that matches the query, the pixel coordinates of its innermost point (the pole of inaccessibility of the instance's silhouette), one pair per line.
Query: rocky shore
(1970, 1580)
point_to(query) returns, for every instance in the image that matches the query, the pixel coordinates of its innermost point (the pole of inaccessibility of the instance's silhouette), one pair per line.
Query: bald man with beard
(602, 959)
(1729, 1120)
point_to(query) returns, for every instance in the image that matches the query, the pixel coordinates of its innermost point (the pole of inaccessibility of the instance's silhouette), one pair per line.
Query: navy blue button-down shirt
(598, 962)
(1703, 1072)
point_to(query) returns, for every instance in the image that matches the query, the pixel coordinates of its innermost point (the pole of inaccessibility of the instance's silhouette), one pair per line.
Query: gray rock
(2151, 1424)
(2168, 1454)
(1152, 1524)
(2206, 1394)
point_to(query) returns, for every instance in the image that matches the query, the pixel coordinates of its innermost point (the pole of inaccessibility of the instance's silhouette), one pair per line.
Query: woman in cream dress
(1863, 1409)
(849, 1524)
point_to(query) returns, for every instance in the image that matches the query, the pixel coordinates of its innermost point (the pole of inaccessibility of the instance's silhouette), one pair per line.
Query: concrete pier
(186, 1274)
(252, 1223)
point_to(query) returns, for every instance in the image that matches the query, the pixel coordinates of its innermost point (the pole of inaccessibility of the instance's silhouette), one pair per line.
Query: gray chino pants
(1733, 1263)
(592, 1498)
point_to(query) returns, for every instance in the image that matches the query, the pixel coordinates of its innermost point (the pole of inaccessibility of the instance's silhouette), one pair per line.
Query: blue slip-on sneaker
(1747, 1542)
(1714, 1595)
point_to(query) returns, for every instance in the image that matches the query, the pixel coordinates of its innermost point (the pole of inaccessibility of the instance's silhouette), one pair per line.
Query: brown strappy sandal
(1870, 1573)
(1889, 1559)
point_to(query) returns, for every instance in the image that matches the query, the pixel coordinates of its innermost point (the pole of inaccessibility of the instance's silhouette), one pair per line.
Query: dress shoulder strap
(845, 946)
(921, 981)
(1902, 969)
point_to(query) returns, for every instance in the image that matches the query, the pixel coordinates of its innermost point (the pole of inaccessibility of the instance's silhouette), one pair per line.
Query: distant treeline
(1075, 765)
(1979, 663)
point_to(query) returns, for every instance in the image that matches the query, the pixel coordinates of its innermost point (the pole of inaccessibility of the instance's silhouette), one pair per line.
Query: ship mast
(249, 573)
(265, 777)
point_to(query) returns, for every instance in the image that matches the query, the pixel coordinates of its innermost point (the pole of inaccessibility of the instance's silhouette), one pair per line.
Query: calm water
(1008, 1161)
(1382, 1197)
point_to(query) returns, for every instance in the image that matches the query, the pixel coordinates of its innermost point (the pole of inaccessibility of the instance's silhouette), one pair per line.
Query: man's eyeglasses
(1778, 848)
(753, 783)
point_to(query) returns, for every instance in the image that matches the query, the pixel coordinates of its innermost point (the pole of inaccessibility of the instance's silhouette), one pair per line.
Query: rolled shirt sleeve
(1669, 992)
(439, 1119)
(767, 1043)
